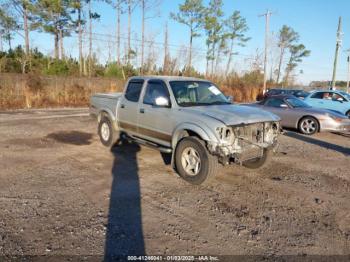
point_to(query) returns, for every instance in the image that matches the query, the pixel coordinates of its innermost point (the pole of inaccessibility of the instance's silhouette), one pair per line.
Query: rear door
(128, 107)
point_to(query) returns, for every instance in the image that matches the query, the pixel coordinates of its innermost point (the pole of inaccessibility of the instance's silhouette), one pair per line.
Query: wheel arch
(189, 129)
(185, 130)
(347, 113)
(105, 113)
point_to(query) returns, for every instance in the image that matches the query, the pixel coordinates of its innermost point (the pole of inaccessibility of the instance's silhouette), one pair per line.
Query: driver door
(281, 108)
(155, 122)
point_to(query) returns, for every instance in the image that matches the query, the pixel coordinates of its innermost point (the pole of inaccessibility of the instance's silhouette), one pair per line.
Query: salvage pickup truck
(189, 118)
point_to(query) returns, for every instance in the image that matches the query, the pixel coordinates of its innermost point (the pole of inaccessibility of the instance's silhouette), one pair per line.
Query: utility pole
(348, 74)
(337, 46)
(267, 30)
(166, 51)
(90, 39)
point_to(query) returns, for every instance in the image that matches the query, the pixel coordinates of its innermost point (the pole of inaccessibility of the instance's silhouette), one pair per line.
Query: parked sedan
(330, 99)
(295, 113)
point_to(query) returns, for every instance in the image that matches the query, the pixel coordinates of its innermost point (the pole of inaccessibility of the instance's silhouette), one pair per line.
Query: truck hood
(233, 114)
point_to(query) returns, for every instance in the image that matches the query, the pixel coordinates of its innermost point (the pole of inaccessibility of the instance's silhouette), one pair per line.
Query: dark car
(299, 93)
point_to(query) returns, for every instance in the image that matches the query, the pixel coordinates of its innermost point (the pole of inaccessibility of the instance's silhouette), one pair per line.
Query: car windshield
(296, 103)
(346, 95)
(197, 93)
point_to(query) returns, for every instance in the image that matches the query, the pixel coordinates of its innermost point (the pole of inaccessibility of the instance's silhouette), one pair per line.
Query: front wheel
(308, 125)
(258, 162)
(348, 114)
(193, 161)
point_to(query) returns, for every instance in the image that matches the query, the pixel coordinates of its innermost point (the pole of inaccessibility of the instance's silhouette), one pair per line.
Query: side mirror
(284, 106)
(162, 101)
(230, 98)
(340, 99)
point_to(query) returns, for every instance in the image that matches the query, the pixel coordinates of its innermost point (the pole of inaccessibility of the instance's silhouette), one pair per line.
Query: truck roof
(169, 78)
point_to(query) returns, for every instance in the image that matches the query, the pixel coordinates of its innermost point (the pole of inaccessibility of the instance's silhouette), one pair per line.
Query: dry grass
(33, 91)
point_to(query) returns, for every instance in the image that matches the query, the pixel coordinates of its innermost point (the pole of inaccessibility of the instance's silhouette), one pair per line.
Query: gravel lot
(63, 193)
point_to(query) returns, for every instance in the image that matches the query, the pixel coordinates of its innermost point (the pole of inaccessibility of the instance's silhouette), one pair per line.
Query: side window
(274, 102)
(337, 96)
(133, 91)
(317, 95)
(155, 89)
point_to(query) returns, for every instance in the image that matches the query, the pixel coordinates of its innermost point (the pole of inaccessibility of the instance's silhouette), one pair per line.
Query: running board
(143, 142)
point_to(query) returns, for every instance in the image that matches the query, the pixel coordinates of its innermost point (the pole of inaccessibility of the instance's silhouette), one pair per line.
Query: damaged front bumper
(245, 142)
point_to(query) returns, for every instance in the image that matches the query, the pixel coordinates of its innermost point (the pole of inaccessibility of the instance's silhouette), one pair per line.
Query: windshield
(296, 103)
(345, 94)
(197, 93)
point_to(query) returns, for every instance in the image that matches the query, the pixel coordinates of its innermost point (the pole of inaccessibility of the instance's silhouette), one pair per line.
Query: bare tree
(131, 6)
(78, 6)
(119, 7)
(146, 6)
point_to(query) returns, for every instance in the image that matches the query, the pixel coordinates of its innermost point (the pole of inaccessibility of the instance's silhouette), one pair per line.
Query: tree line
(223, 34)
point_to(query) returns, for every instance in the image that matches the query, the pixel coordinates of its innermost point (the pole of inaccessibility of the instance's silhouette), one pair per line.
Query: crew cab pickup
(189, 118)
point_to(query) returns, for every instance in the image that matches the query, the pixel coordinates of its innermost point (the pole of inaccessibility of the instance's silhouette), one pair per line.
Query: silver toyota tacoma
(189, 118)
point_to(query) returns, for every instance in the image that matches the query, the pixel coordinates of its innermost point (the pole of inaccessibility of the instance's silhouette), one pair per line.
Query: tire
(258, 162)
(348, 114)
(308, 125)
(195, 149)
(106, 132)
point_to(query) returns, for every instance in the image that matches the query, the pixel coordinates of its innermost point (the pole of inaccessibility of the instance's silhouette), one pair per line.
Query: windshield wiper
(220, 103)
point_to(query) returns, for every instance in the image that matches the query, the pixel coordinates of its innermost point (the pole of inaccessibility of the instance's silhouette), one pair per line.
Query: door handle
(142, 111)
(122, 106)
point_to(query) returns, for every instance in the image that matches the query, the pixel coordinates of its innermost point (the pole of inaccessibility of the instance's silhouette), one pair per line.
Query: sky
(315, 20)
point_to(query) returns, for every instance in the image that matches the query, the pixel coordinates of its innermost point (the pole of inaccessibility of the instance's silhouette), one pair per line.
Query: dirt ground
(63, 193)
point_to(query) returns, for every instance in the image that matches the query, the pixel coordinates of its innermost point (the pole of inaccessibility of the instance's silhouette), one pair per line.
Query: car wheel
(308, 125)
(258, 162)
(106, 132)
(348, 114)
(193, 161)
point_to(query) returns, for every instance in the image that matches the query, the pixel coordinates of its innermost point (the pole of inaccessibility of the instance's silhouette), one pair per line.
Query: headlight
(225, 134)
(335, 118)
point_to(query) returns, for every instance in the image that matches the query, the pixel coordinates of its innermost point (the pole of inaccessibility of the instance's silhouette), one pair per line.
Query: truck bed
(104, 102)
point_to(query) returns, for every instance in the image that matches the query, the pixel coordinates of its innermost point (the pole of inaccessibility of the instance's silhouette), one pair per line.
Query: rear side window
(133, 91)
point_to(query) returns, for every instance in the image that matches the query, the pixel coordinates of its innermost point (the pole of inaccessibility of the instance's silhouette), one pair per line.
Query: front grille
(252, 132)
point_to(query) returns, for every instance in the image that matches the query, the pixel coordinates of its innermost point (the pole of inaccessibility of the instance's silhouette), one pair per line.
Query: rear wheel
(308, 125)
(258, 162)
(193, 161)
(106, 132)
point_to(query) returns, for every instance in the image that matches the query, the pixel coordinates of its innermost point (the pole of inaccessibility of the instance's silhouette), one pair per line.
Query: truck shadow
(344, 150)
(124, 229)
